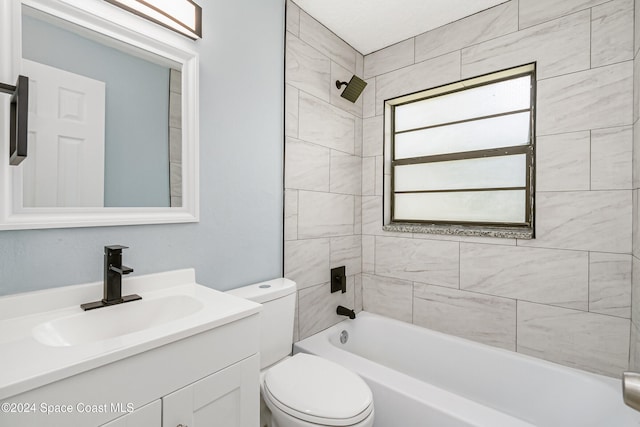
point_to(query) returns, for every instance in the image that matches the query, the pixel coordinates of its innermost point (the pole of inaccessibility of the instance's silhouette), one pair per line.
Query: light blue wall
(137, 110)
(239, 238)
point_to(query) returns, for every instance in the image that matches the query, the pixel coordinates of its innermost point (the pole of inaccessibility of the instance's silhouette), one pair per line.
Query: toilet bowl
(302, 390)
(306, 390)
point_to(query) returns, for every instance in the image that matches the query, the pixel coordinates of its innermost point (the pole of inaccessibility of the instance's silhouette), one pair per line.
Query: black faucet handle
(123, 270)
(114, 249)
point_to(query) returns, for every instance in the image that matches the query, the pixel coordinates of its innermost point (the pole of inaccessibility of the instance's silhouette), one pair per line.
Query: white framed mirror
(113, 117)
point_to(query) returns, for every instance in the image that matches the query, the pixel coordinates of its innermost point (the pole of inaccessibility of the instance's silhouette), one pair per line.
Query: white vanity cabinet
(224, 399)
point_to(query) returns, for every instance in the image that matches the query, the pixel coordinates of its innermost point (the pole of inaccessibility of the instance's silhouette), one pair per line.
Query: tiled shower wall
(323, 150)
(634, 360)
(564, 296)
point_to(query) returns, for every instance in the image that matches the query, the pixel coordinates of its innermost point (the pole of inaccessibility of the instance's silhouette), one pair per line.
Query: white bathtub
(424, 378)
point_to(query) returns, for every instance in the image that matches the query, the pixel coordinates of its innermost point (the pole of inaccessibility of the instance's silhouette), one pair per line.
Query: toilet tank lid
(265, 291)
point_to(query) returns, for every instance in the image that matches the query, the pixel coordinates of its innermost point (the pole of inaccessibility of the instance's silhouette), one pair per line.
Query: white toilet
(301, 390)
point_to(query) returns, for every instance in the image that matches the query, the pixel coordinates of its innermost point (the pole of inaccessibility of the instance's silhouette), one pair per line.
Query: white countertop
(26, 363)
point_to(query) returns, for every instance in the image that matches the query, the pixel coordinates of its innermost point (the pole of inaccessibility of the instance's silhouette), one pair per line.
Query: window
(462, 156)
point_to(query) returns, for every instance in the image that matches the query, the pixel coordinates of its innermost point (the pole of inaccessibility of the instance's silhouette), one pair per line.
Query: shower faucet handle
(338, 279)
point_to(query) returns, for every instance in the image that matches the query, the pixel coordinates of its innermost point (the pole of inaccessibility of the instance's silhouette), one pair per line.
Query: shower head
(354, 88)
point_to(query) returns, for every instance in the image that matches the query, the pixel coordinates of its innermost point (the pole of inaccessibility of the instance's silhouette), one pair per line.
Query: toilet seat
(317, 390)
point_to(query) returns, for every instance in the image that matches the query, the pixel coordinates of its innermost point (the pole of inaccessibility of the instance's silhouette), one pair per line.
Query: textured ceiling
(370, 25)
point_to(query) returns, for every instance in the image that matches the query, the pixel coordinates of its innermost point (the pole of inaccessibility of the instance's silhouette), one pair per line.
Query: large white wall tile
(368, 176)
(317, 307)
(636, 24)
(546, 276)
(357, 289)
(634, 348)
(636, 150)
(610, 284)
(388, 297)
(324, 214)
(347, 251)
(589, 341)
(425, 261)
(482, 26)
(424, 75)
(388, 59)
(585, 220)
(318, 36)
(372, 136)
(346, 173)
(597, 98)
(635, 291)
(612, 158)
(293, 18)
(369, 99)
(307, 69)
(291, 111)
(326, 125)
(539, 43)
(306, 166)
(306, 262)
(612, 32)
(340, 73)
(368, 254)
(290, 214)
(635, 223)
(372, 218)
(533, 12)
(636, 88)
(357, 215)
(487, 319)
(562, 162)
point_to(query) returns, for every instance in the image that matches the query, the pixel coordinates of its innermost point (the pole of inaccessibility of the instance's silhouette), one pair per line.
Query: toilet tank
(278, 299)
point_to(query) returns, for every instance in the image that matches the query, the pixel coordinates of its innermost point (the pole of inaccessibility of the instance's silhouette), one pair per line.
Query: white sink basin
(45, 335)
(114, 321)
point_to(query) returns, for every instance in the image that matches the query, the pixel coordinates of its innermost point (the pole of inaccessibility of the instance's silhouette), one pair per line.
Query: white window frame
(523, 230)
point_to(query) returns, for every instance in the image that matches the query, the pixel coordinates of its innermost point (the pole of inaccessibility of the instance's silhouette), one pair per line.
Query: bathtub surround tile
(306, 166)
(345, 173)
(296, 321)
(324, 214)
(307, 69)
(635, 291)
(612, 32)
(534, 12)
(588, 341)
(636, 147)
(307, 261)
(610, 284)
(540, 44)
(425, 261)
(372, 218)
(317, 307)
(482, 26)
(368, 176)
(388, 59)
(636, 88)
(358, 137)
(372, 138)
(357, 288)
(636, 42)
(357, 215)
(359, 65)
(612, 158)
(318, 36)
(635, 220)
(347, 251)
(468, 239)
(326, 125)
(584, 220)
(546, 276)
(290, 214)
(340, 73)
(291, 111)
(368, 254)
(369, 99)
(487, 319)
(597, 98)
(424, 75)
(634, 354)
(562, 162)
(293, 18)
(388, 297)
(379, 185)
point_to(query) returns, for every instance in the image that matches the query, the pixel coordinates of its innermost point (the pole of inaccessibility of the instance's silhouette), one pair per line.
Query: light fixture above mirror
(183, 16)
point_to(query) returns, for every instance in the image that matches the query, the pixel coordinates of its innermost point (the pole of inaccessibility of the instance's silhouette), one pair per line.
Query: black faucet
(344, 311)
(113, 272)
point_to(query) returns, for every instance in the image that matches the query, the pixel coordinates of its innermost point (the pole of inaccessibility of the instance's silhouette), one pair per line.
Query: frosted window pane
(504, 131)
(496, 98)
(477, 206)
(488, 172)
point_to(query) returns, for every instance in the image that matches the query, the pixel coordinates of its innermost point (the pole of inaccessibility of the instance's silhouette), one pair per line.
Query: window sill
(460, 230)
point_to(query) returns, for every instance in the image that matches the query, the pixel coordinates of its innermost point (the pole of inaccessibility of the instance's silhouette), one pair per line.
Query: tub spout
(631, 389)
(344, 311)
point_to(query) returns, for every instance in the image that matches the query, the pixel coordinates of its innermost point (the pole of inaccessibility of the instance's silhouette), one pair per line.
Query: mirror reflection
(105, 124)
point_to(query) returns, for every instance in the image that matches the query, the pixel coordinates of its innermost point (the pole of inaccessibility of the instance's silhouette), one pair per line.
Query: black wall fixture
(19, 115)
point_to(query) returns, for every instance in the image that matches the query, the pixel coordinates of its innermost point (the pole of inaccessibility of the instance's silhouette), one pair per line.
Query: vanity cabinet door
(228, 398)
(148, 416)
